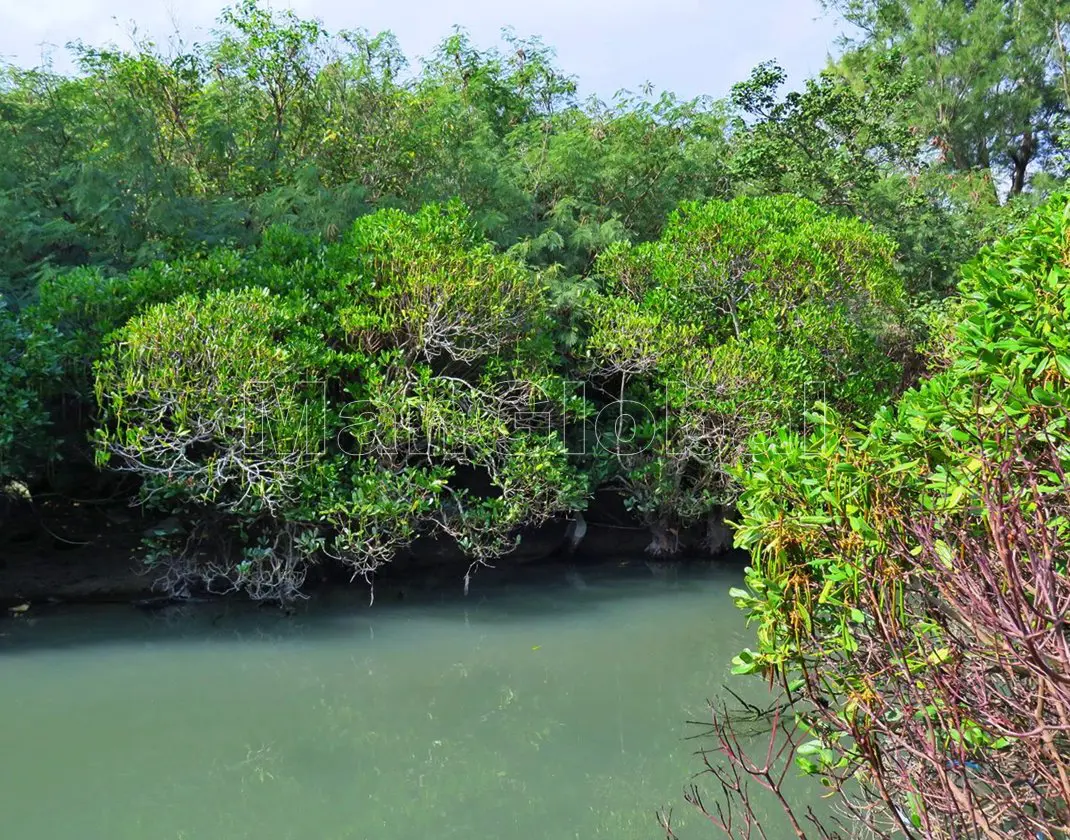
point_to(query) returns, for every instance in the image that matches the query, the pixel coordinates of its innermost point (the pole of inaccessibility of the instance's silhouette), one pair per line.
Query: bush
(907, 576)
(351, 398)
(62, 333)
(741, 313)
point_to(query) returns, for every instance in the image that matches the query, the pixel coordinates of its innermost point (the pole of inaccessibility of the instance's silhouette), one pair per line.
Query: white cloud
(687, 46)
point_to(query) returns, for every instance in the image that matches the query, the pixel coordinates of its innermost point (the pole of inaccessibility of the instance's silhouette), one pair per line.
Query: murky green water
(542, 710)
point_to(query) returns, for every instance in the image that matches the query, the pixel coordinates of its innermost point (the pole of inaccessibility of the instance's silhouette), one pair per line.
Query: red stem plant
(951, 719)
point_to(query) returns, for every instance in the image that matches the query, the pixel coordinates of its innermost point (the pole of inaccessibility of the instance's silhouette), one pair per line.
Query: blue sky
(690, 47)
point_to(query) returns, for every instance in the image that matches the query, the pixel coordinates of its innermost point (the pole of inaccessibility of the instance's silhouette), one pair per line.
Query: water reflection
(546, 709)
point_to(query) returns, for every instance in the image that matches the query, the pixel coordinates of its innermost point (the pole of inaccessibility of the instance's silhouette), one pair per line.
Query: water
(537, 710)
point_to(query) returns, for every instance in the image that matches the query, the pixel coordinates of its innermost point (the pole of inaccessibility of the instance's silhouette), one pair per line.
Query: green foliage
(903, 571)
(832, 141)
(25, 361)
(995, 84)
(609, 173)
(342, 399)
(730, 323)
(817, 507)
(940, 220)
(301, 179)
(147, 163)
(429, 285)
(147, 155)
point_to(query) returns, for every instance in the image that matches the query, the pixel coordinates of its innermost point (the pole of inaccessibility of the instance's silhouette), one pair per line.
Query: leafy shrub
(907, 575)
(727, 325)
(350, 398)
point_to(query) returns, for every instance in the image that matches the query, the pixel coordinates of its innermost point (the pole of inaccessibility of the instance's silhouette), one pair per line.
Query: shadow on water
(496, 598)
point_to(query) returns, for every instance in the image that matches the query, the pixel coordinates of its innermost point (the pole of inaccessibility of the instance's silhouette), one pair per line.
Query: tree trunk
(1021, 159)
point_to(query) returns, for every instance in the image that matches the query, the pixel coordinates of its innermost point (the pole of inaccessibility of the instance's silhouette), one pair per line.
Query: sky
(690, 47)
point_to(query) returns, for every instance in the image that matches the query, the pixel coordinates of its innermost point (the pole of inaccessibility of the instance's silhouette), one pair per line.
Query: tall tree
(994, 91)
(831, 141)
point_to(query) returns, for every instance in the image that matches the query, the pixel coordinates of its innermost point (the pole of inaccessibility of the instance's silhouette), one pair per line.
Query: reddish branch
(960, 694)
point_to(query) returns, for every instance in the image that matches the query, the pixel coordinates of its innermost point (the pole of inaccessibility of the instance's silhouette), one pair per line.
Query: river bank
(74, 553)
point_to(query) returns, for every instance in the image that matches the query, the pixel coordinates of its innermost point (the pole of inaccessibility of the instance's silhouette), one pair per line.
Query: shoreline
(94, 559)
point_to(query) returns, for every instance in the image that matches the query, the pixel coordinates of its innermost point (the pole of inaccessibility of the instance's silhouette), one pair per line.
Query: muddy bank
(77, 553)
(72, 552)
